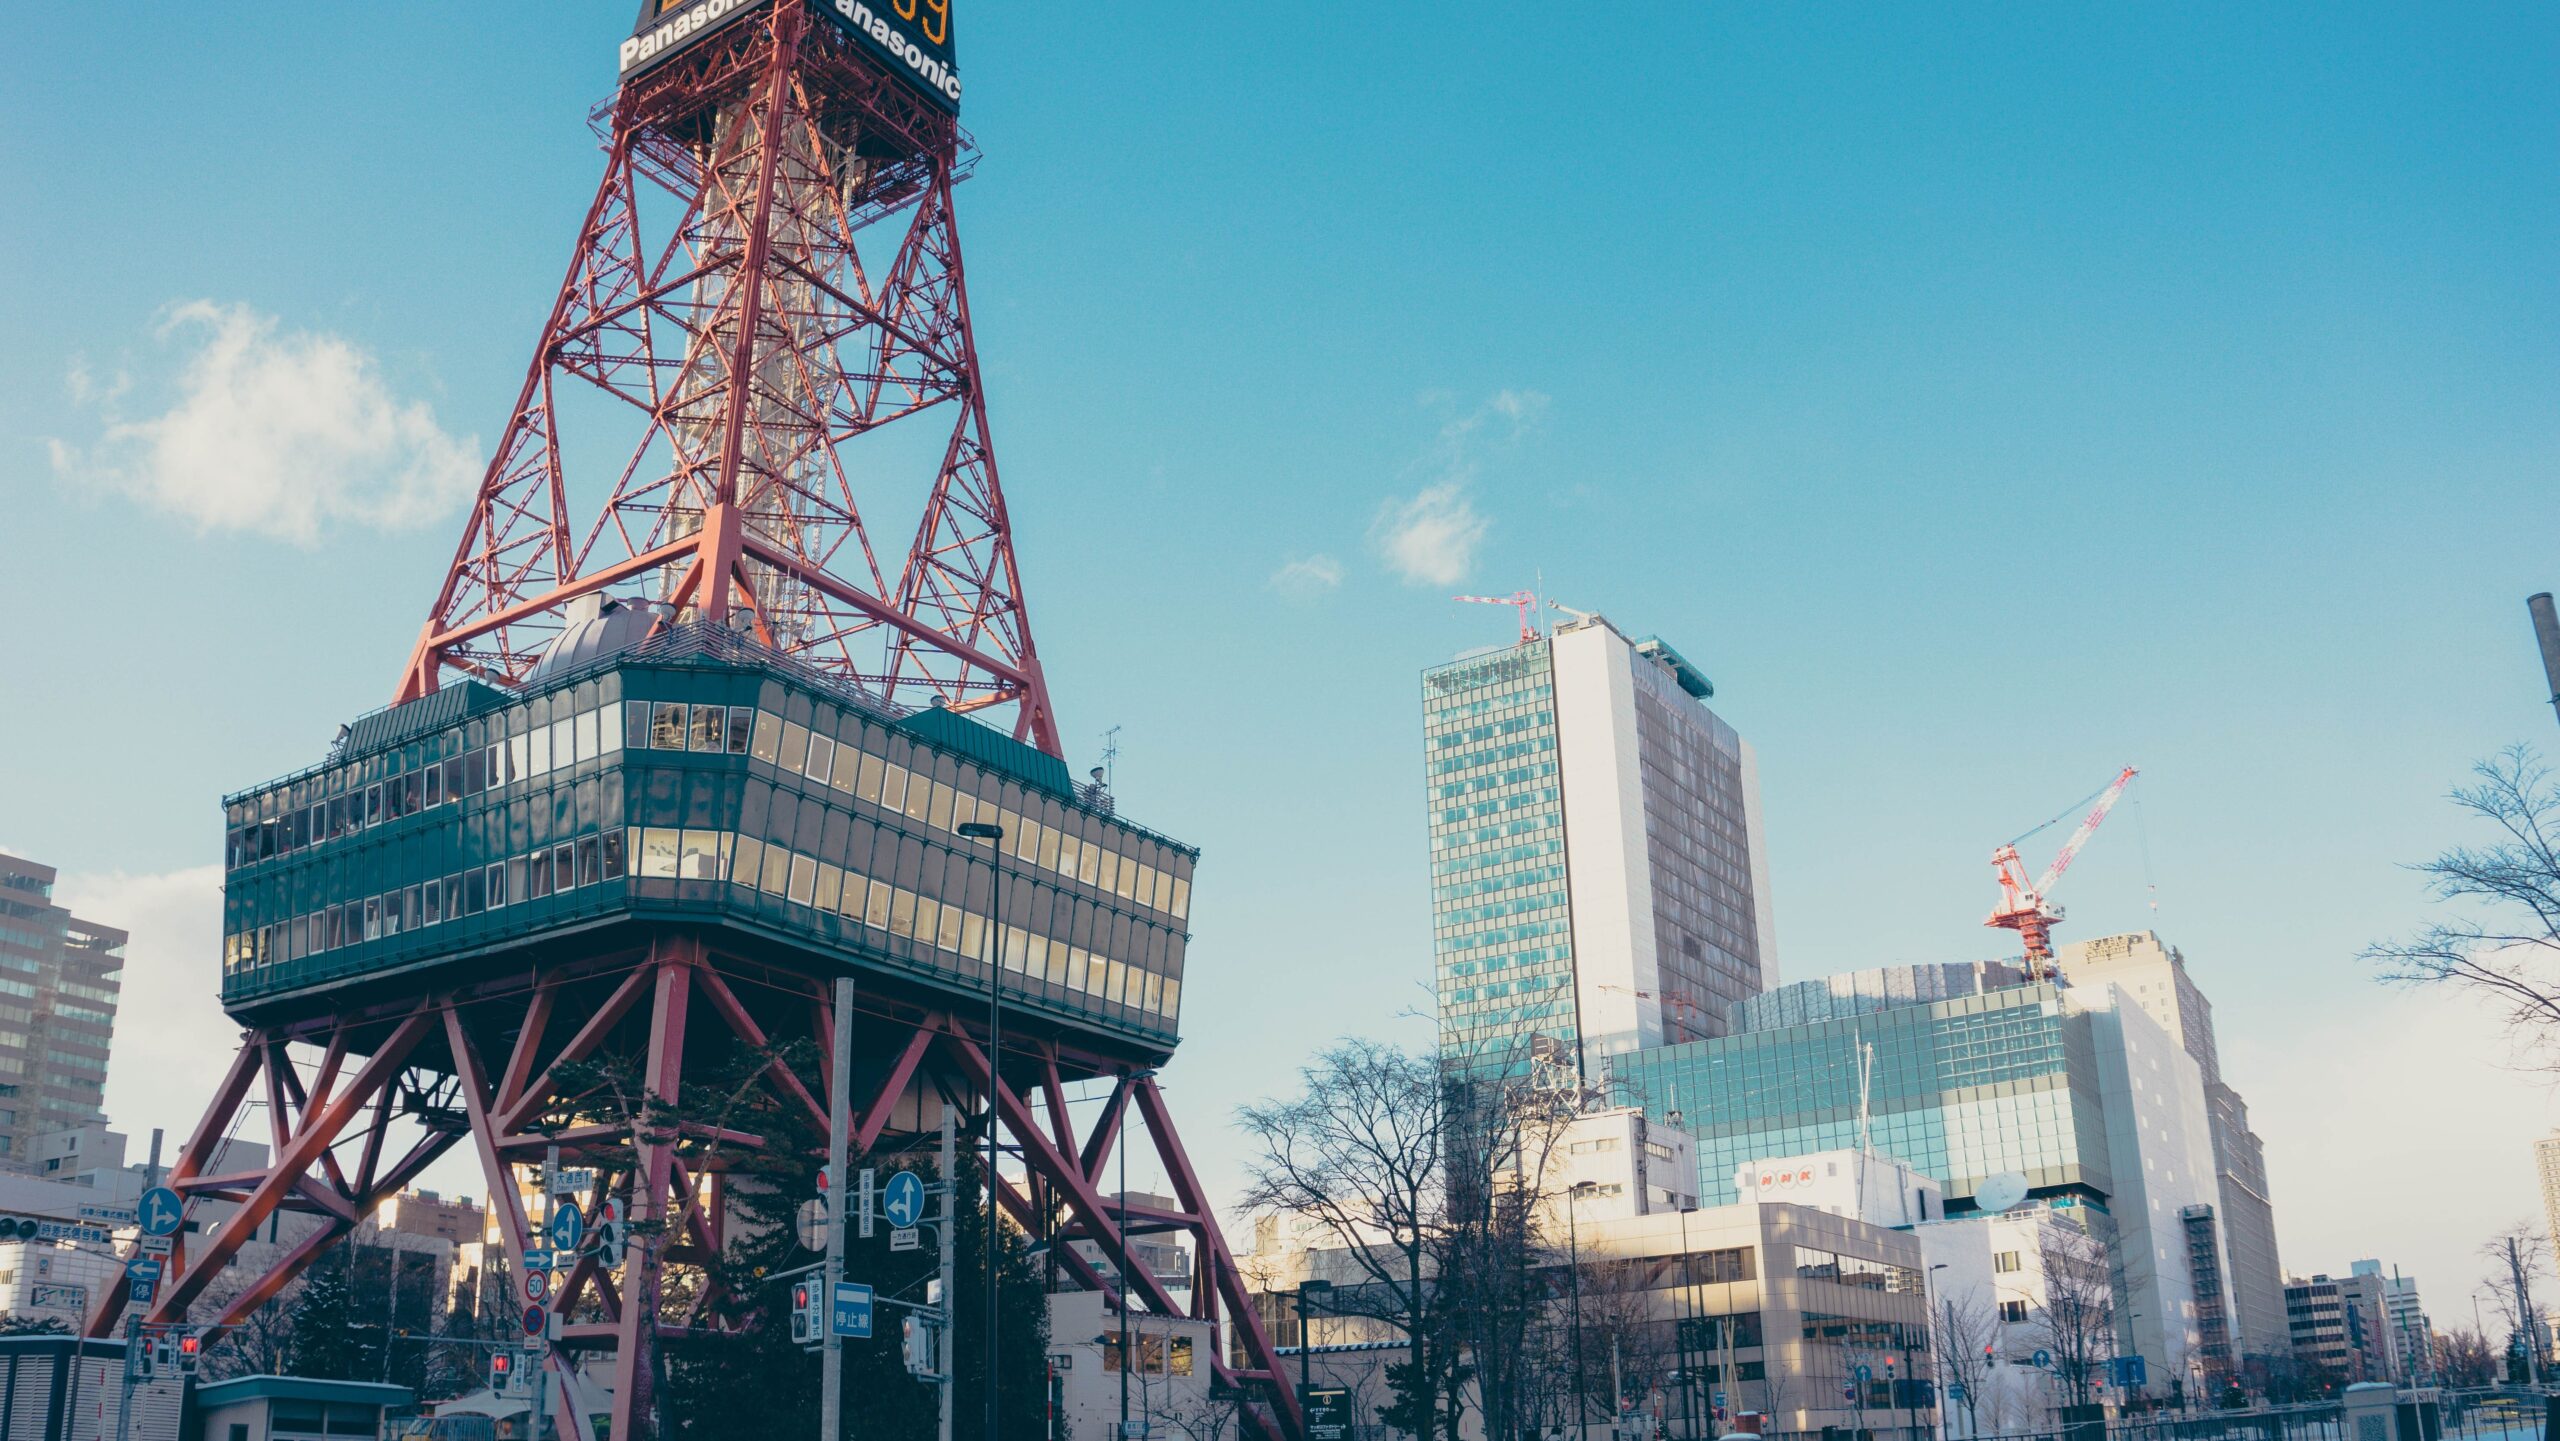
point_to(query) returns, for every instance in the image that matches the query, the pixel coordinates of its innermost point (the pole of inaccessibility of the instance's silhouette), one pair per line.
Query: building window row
(879, 781)
(343, 801)
(585, 860)
(807, 881)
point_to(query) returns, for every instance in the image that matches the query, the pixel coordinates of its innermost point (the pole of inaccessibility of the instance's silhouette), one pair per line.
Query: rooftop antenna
(1110, 754)
(1866, 1138)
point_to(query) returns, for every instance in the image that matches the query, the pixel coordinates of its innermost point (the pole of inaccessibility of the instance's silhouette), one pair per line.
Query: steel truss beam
(343, 1091)
(720, 340)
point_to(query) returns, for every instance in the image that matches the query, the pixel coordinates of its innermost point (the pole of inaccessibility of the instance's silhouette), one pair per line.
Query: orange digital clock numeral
(937, 21)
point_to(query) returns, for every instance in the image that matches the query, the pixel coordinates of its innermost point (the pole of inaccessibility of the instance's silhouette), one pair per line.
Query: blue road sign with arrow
(2043, 1359)
(143, 1268)
(902, 1201)
(159, 1211)
(568, 1227)
(1863, 1373)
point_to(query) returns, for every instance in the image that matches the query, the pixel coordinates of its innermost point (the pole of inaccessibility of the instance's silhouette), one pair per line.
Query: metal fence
(2500, 1415)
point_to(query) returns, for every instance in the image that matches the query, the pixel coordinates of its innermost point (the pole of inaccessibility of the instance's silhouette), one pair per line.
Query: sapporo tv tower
(653, 782)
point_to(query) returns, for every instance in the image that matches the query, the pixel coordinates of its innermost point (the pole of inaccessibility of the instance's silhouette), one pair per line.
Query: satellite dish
(2001, 1192)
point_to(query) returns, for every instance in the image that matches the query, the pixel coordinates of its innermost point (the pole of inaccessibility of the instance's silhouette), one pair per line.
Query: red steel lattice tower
(769, 276)
(765, 293)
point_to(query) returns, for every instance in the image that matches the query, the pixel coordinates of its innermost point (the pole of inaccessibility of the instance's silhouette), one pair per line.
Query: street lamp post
(993, 835)
(1689, 1302)
(1573, 1247)
(1936, 1343)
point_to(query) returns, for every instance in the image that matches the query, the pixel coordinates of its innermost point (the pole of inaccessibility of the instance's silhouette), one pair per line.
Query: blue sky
(1986, 398)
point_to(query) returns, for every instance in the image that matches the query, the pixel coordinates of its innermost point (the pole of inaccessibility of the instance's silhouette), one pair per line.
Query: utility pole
(839, 1181)
(133, 1314)
(944, 1348)
(542, 1353)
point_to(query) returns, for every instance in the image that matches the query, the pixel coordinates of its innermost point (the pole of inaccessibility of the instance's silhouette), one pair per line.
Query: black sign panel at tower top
(913, 37)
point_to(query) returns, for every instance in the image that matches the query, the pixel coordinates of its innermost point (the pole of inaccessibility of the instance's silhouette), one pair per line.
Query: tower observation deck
(698, 780)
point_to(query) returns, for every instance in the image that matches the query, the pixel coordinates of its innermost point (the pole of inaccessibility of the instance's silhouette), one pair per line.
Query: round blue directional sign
(2042, 1358)
(568, 1226)
(902, 1201)
(159, 1211)
(1863, 1373)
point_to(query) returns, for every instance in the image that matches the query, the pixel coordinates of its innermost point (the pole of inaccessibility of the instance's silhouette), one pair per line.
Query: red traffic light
(500, 1363)
(800, 1297)
(190, 1345)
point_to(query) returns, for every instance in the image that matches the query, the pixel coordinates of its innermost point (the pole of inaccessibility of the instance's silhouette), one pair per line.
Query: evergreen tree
(331, 1341)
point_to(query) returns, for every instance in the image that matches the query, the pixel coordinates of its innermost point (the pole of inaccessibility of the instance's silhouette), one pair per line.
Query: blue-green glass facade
(1501, 923)
(692, 787)
(1962, 1089)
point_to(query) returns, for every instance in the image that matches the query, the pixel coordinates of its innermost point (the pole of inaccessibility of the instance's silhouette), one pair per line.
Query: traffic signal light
(804, 1314)
(917, 1346)
(190, 1352)
(20, 1228)
(502, 1371)
(1988, 1358)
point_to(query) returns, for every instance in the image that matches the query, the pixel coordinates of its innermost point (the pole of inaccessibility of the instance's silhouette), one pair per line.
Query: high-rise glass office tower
(1598, 881)
(59, 981)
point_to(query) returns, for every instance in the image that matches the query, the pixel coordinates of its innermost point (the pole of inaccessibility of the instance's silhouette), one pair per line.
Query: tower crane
(1524, 601)
(2023, 905)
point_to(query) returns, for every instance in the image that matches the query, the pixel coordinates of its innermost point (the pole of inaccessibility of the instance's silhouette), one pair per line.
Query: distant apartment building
(59, 980)
(2341, 1326)
(1598, 873)
(2155, 976)
(2546, 1162)
(2409, 1337)
(2317, 1316)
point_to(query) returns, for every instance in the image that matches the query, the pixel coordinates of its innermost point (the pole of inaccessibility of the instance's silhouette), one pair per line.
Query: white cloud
(269, 431)
(1431, 537)
(1307, 575)
(172, 1041)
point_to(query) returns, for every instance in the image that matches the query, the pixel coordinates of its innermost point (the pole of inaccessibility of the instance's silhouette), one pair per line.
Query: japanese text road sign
(853, 1310)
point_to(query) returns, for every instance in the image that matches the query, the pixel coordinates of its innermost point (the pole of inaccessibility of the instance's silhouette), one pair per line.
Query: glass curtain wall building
(60, 979)
(1597, 870)
(1961, 1089)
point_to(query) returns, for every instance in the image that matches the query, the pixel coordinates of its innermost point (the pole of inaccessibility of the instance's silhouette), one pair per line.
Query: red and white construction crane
(2023, 905)
(1524, 601)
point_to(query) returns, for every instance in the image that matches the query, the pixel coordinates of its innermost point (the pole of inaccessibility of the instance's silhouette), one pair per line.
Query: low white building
(1164, 1381)
(1988, 1291)
(1870, 1186)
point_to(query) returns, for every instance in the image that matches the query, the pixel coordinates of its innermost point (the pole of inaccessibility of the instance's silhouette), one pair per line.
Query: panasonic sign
(912, 36)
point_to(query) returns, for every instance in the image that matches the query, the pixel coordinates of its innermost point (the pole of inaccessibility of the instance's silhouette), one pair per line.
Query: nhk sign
(912, 36)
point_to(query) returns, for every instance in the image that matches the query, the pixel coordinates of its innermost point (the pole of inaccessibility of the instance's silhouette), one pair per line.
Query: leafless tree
(2502, 941)
(2078, 1313)
(2519, 1257)
(1968, 1329)
(1358, 1153)
(2465, 1358)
